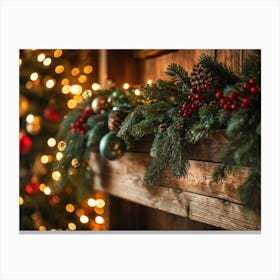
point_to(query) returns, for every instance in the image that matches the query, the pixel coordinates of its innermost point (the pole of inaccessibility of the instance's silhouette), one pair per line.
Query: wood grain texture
(148, 53)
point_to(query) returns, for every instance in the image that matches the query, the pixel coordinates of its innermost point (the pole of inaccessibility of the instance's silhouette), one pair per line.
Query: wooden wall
(136, 67)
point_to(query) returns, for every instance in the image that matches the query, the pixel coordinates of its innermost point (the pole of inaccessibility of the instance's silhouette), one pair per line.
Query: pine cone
(200, 76)
(162, 128)
(116, 120)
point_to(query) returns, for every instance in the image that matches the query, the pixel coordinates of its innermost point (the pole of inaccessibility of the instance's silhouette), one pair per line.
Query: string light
(72, 103)
(47, 61)
(100, 203)
(59, 69)
(78, 98)
(75, 71)
(84, 219)
(66, 89)
(56, 175)
(57, 53)
(87, 94)
(30, 118)
(51, 142)
(88, 69)
(41, 57)
(76, 89)
(59, 156)
(137, 92)
(20, 62)
(21, 201)
(44, 159)
(72, 226)
(74, 162)
(42, 228)
(91, 202)
(149, 82)
(79, 212)
(95, 86)
(126, 86)
(61, 146)
(65, 82)
(34, 76)
(50, 83)
(47, 190)
(70, 208)
(99, 220)
(82, 79)
(42, 187)
(99, 211)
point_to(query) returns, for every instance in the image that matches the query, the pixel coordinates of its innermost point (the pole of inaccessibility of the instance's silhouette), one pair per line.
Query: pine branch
(178, 74)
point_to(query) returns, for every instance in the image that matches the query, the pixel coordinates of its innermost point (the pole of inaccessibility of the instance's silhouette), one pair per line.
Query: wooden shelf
(196, 197)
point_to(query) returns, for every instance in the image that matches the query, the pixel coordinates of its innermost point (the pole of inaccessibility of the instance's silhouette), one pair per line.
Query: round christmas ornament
(111, 147)
(23, 105)
(99, 104)
(52, 114)
(25, 144)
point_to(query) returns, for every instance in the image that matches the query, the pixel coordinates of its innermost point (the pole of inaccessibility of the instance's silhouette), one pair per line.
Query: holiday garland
(177, 113)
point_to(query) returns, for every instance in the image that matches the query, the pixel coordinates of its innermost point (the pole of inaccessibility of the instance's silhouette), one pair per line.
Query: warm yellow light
(42, 187)
(57, 53)
(78, 98)
(126, 86)
(99, 211)
(34, 76)
(95, 86)
(70, 208)
(88, 69)
(66, 89)
(79, 212)
(37, 120)
(100, 203)
(65, 82)
(20, 62)
(59, 69)
(91, 202)
(87, 94)
(82, 79)
(72, 103)
(84, 219)
(21, 201)
(74, 162)
(149, 82)
(137, 92)
(72, 226)
(47, 61)
(76, 89)
(47, 190)
(51, 142)
(59, 156)
(29, 85)
(44, 159)
(41, 57)
(99, 220)
(30, 118)
(42, 228)
(75, 71)
(50, 83)
(56, 175)
(61, 146)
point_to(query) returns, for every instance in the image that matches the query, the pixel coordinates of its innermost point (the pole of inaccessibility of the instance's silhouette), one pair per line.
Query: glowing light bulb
(84, 219)
(41, 57)
(72, 226)
(34, 76)
(57, 53)
(82, 79)
(99, 211)
(88, 69)
(76, 89)
(51, 142)
(75, 71)
(47, 61)
(100, 203)
(44, 159)
(87, 94)
(137, 92)
(42, 228)
(30, 118)
(66, 89)
(21, 201)
(99, 220)
(20, 62)
(75, 162)
(91, 202)
(65, 82)
(50, 83)
(126, 86)
(47, 190)
(70, 208)
(79, 212)
(42, 187)
(149, 82)
(61, 146)
(56, 175)
(59, 156)
(59, 69)
(95, 86)
(78, 98)
(72, 103)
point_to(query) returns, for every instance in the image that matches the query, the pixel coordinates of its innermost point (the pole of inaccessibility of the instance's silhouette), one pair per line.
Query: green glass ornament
(112, 147)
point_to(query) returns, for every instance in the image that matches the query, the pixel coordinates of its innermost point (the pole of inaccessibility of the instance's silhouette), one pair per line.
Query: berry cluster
(80, 125)
(195, 102)
(236, 99)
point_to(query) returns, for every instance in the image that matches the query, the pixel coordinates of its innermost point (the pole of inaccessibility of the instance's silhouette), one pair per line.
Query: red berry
(252, 82)
(207, 86)
(87, 111)
(254, 90)
(181, 112)
(246, 86)
(195, 106)
(199, 88)
(223, 101)
(219, 95)
(186, 105)
(232, 96)
(234, 107)
(198, 96)
(245, 102)
(191, 97)
(227, 107)
(186, 115)
(193, 90)
(83, 131)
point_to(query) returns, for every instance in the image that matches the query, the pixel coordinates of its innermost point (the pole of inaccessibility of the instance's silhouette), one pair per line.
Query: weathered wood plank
(197, 207)
(199, 179)
(147, 53)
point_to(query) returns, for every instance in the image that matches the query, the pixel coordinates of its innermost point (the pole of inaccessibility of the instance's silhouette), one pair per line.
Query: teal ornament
(112, 147)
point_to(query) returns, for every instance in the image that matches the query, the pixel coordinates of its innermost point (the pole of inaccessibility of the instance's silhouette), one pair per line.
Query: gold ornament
(23, 105)
(99, 104)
